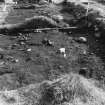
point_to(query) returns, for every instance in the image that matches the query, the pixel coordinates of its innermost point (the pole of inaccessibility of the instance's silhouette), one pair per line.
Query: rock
(29, 49)
(65, 55)
(58, 17)
(97, 34)
(38, 31)
(96, 28)
(1, 49)
(81, 39)
(2, 64)
(15, 60)
(9, 58)
(47, 42)
(62, 50)
(58, 1)
(22, 43)
(84, 52)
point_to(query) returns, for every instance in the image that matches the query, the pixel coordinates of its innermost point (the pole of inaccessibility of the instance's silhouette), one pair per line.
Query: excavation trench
(52, 55)
(29, 57)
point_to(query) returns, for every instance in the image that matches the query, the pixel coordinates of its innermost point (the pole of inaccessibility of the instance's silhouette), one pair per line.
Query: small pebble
(47, 42)
(21, 49)
(9, 58)
(57, 1)
(51, 43)
(1, 49)
(15, 60)
(38, 31)
(65, 55)
(2, 63)
(97, 35)
(22, 43)
(29, 49)
(58, 17)
(20, 34)
(84, 52)
(81, 39)
(62, 50)
(96, 28)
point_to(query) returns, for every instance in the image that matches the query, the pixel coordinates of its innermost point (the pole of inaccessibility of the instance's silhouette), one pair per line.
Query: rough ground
(33, 71)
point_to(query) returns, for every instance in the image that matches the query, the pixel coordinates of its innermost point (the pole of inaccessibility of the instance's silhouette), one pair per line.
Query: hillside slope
(70, 89)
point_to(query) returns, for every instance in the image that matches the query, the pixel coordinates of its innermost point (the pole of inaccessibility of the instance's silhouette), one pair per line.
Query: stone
(81, 39)
(57, 1)
(29, 49)
(47, 42)
(62, 50)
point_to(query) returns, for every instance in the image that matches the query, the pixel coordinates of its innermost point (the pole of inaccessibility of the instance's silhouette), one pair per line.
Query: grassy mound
(70, 89)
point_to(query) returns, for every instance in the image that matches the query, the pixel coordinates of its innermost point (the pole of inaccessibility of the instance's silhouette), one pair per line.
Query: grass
(70, 89)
